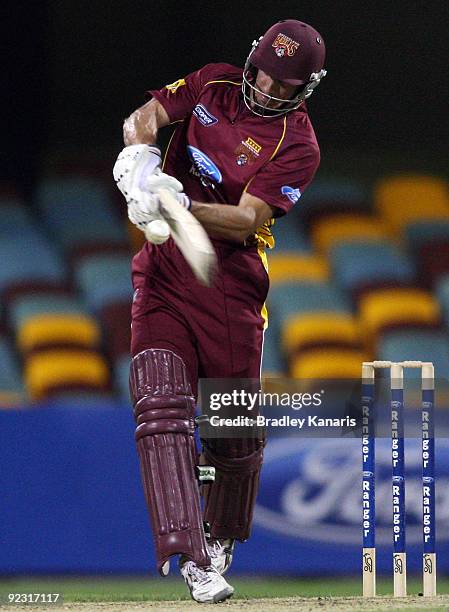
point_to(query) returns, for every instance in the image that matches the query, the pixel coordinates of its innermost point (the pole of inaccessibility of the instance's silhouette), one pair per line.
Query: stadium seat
(333, 229)
(78, 211)
(311, 330)
(329, 196)
(286, 299)
(402, 200)
(58, 370)
(328, 363)
(289, 235)
(34, 304)
(355, 264)
(442, 293)
(15, 218)
(273, 363)
(121, 377)
(290, 266)
(426, 233)
(387, 309)
(418, 345)
(28, 257)
(104, 279)
(12, 392)
(47, 330)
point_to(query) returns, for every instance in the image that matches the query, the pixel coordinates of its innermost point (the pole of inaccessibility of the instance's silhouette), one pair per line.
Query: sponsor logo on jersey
(172, 87)
(284, 45)
(204, 165)
(204, 116)
(292, 194)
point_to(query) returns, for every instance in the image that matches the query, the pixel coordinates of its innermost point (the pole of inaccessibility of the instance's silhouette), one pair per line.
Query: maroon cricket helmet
(290, 51)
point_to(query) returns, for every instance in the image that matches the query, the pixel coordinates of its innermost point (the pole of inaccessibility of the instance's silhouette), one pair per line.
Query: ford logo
(204, 165)
(313, 490)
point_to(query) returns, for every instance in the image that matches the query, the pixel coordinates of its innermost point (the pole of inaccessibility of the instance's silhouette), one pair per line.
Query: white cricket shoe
(205, 583)
(220, 553)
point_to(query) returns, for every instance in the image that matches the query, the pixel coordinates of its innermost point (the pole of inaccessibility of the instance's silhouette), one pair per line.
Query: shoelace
(201, 574)
(216, 549)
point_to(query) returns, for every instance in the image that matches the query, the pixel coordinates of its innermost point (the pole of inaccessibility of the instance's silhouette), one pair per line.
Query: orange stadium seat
(58, 329)
(387, 309)
(303, 331)
(403, 200)
(333, 229)
(60, 370)
(328, 363)
(291, 266)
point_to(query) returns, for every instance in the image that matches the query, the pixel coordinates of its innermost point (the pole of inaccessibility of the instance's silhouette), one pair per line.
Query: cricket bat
(190, 237)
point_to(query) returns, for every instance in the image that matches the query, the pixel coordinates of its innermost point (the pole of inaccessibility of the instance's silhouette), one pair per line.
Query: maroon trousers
(217, 331)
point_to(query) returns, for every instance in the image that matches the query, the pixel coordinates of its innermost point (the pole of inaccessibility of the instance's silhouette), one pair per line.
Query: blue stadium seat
(355, 264)
(290, 236)
(28, 256)
(286, 299)
(121, 377)
(30, 305)
(425, 232)
(14, 219)
(442, 293)
(416, 345)
(273, 361)
(11, 386)
(336, 190)
(78, 211)
(103, 279)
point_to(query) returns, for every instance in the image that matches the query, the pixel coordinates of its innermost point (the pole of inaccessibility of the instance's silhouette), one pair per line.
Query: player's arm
(142, 126)
(233, 222)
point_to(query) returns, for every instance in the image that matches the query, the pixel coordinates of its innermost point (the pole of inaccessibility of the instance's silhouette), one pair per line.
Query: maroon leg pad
(230, 499)
(164, 410)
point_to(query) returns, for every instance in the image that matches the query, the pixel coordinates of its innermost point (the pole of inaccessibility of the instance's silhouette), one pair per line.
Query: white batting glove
(134, 165)
(144, 207)
(159, 180)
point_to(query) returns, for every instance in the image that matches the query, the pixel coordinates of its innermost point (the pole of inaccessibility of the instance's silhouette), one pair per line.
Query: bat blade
(190, 237)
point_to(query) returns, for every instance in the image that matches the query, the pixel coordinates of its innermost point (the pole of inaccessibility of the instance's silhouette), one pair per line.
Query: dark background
(76, 68)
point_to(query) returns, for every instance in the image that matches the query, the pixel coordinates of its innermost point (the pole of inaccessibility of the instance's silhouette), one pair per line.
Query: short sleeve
(178, 98)
(282, 181)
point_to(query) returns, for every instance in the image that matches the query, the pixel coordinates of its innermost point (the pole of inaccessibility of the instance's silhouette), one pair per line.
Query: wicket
(398, 476)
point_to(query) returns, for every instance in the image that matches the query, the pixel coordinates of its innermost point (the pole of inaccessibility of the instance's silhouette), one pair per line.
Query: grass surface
(154, 589)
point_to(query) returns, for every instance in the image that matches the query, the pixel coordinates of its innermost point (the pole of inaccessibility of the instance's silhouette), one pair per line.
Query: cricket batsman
(242, 153)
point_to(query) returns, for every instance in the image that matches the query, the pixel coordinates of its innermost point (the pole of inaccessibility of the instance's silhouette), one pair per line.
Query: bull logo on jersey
(204, 165)
(292, 194)
(284, 45)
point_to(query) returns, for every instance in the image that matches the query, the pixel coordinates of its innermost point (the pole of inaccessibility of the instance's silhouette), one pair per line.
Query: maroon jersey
(221, 149)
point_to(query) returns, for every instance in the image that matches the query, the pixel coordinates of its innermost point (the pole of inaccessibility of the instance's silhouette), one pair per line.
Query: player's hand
(143, 208)
(159, 180)
(134, 165)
